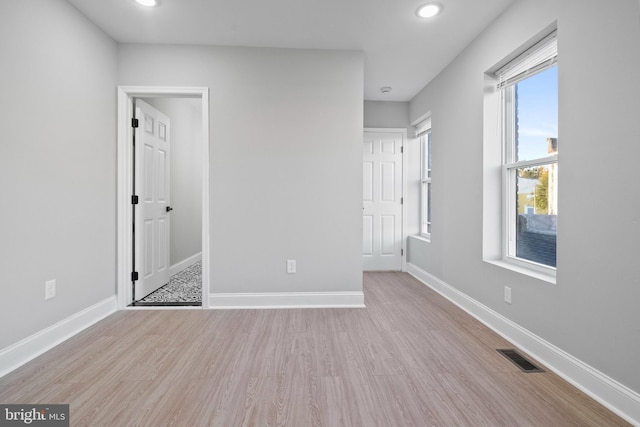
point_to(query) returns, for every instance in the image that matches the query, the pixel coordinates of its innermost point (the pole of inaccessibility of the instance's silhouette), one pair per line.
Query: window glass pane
(429, 154)
(423, 208)
(537, 213)
(422, 154)
(425, 190)
(429, 208)
(536, 106)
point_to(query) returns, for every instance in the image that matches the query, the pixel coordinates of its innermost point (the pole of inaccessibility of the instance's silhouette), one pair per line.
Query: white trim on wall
(271, 300)
(124, 184)
(403, 131)
(29, 348)
(615, 396)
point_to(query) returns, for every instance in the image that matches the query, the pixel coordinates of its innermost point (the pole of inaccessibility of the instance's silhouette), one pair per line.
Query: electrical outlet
(507, 294)
(49, 289)
(291, 266)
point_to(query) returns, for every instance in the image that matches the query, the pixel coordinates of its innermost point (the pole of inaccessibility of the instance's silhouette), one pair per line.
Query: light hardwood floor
(410, 358)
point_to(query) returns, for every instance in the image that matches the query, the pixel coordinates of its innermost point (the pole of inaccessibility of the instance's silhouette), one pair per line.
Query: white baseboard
(179, 266)
(286, 300)
(33, 346)
(615, 396)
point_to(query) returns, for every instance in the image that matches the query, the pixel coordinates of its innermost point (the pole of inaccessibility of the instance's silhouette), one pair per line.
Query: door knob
(169, 208)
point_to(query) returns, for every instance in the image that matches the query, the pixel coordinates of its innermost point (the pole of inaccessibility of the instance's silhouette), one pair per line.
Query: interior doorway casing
(126, 96)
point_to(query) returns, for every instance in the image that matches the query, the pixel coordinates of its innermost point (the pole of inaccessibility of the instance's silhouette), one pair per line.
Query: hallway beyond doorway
(184, 289)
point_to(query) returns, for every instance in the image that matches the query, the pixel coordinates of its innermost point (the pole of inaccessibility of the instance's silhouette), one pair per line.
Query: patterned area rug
(185, 286)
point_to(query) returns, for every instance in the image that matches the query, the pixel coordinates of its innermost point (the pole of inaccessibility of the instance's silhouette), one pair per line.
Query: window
(529, 91)
(424, 133)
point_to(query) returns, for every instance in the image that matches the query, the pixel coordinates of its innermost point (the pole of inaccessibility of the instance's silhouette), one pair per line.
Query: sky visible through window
(537, 113)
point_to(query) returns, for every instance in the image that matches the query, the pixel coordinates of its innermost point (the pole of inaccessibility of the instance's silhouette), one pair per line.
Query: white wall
(286, 177)
(57, 165)
(186, 174)
(592, 312)
(386, 114)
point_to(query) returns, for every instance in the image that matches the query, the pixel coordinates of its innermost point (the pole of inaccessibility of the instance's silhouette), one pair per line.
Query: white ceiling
(399, 49)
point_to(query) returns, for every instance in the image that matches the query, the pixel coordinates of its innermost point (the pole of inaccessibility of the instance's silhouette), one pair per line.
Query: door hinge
(134, 122)
(134, 200)
(402, 200)
(134, 276)
(401, 149)
(401, 252)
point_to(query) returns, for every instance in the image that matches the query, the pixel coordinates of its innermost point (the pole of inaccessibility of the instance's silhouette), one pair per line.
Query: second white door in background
(382, 201)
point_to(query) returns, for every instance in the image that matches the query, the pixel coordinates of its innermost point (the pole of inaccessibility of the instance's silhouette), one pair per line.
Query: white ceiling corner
(399, 49)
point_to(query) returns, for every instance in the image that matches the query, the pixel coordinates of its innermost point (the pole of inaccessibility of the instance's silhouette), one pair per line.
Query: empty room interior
(320, 213)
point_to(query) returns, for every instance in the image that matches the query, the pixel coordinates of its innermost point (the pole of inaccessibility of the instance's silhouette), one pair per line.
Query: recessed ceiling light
(148, 3)
(385, 89)
(429, 10)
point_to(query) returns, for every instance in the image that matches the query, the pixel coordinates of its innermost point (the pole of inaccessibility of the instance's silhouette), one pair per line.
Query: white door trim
(403, 131)
(124, 241)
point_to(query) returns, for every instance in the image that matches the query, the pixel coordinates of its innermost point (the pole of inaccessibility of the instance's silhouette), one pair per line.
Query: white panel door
(152, 218)
(382, 201)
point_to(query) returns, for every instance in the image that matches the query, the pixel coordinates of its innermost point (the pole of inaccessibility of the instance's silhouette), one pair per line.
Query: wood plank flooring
(410, 358)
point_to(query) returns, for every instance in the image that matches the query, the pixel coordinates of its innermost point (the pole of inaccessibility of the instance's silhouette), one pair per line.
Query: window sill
(421, 238)
(546, 277)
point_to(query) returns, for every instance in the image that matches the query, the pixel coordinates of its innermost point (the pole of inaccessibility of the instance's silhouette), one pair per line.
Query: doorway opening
(163, 244)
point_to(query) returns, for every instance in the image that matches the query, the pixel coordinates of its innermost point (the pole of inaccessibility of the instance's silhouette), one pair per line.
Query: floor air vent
(519, 360)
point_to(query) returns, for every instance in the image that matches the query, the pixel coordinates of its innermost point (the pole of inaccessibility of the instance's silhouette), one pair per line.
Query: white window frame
(538, 58)
(423, 131)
